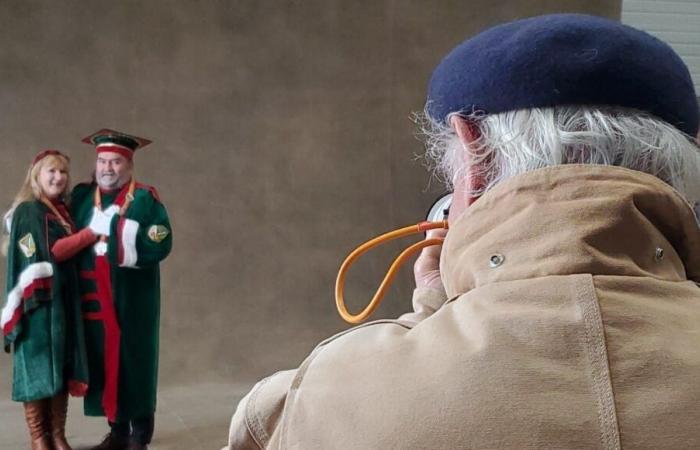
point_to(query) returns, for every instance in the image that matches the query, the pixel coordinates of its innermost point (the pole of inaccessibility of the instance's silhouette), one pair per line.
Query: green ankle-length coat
(41, 314)
(120, 289)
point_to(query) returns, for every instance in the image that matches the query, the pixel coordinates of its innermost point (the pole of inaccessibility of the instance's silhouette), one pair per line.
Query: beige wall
(281, 136)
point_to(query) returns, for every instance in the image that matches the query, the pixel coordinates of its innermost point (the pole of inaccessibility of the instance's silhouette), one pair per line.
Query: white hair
(516, 142)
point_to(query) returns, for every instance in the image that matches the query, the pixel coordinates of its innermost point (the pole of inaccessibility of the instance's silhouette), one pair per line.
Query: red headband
(126, 152)
(44, 153)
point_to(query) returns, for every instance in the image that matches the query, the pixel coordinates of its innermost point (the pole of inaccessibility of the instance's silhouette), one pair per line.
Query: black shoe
(137, 446)
(112, 442)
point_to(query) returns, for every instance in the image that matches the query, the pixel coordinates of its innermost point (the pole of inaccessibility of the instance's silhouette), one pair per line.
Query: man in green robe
(120, 287)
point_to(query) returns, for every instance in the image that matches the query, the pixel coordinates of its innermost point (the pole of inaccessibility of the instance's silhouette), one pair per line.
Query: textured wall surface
(282, 139)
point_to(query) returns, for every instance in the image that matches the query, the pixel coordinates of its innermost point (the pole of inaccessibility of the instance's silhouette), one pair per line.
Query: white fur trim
(128, 243)
(8, 220)
(30, 274)
(111, 211)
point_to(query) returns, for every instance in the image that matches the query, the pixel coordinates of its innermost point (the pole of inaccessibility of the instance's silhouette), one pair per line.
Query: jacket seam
(253, 423)
(304, 367)
(596, 352)
(364, 325)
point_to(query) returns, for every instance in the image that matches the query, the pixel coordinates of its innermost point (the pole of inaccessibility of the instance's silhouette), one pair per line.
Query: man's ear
(472, 178)
(466, 130)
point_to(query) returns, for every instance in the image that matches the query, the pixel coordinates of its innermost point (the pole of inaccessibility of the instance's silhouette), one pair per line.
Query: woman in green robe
(41, 318)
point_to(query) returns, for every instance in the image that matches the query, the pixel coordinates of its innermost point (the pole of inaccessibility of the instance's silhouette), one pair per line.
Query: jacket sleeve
(425, 302)
(30, 270)
(67, 247)
(142, 237)
(258, 414)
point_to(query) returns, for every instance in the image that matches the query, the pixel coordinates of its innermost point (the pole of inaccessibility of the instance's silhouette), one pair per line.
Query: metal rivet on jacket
(659, 255)
(496, 260)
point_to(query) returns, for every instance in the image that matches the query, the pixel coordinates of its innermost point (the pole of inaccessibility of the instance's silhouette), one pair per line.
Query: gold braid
(64, 223)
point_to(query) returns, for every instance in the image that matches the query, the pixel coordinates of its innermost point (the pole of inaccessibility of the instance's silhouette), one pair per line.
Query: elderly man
(120, 287)
(567, 313)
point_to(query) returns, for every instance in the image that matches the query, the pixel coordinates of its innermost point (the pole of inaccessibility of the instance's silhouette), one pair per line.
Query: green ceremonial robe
(41, 315)
(120, 288)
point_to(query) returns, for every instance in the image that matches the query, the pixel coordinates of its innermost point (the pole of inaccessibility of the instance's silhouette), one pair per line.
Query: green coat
(121, 302)
(41, 314)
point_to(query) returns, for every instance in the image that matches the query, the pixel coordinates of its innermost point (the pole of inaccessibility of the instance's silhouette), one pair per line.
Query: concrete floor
(193, 417)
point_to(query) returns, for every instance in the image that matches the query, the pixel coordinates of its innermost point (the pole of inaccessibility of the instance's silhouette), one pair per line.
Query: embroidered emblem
(157, 233)
(26, 244)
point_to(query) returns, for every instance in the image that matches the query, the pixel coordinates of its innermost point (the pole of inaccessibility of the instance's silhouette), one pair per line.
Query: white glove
(111, 211)
(99, 224)
(100, 248)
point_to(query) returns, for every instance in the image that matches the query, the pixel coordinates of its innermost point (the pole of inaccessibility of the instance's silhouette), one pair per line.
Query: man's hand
(99, 224)
(427, 267)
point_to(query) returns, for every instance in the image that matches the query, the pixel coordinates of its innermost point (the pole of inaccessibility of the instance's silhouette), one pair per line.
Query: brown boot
(57, 422)
(36, 414)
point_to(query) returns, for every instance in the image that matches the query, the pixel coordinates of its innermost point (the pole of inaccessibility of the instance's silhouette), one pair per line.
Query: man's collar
(573, 219)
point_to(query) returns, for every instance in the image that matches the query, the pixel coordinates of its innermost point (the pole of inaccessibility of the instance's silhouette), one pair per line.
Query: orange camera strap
(391, 273)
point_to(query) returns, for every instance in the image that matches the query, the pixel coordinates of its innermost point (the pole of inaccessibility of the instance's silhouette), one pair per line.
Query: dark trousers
(139, 430)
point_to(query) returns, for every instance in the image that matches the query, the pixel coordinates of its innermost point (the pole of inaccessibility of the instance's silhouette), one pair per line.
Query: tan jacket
(573, 322)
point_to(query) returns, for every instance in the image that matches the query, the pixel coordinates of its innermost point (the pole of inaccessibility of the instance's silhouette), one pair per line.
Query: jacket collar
(572, 219)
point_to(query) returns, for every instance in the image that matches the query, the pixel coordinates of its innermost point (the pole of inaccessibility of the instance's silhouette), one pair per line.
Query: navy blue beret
(564, 59)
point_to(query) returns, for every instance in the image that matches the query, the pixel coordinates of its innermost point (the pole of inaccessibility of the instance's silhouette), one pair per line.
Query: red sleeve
(67, 247)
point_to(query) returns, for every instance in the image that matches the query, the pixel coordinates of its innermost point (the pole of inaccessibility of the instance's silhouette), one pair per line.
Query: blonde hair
(31, 190)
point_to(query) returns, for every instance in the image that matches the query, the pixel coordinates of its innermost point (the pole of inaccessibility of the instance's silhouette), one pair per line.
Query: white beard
(110, 185)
